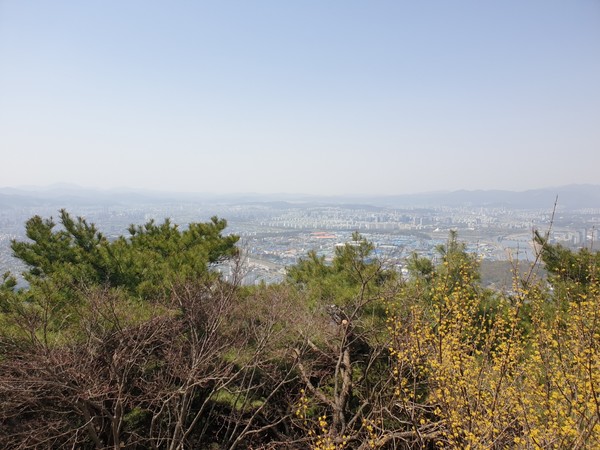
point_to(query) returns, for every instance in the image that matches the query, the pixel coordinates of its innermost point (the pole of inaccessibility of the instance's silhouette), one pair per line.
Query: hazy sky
(300, 96)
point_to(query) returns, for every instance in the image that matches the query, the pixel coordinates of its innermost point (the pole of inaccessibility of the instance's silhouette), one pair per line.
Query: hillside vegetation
(139, 343)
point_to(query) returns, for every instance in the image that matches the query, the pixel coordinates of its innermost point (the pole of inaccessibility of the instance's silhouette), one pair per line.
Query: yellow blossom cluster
(324, 440)
(491, 382)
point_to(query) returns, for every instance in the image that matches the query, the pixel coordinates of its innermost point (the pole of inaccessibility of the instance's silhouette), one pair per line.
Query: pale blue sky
(319, 97)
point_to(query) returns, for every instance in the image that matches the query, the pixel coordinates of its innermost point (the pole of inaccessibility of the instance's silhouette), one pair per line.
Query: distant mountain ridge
(569, 197)
(576, 196)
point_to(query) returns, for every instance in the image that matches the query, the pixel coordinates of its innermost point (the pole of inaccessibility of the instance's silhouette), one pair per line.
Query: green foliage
(352, 275)
(235, 401)
(455, 261)
(72, 253)
(420, 267)
(156, 257)
(7, 287)
(68, 260)
(146, 264)
(435, 281)
(568, 267)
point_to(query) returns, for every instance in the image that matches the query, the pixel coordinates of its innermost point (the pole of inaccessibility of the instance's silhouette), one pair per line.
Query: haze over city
(300, 97)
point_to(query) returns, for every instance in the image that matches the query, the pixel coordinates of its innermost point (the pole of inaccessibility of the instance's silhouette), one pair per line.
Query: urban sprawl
(274, 235)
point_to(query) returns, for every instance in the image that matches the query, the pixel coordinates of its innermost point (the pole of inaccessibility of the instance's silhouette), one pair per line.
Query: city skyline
(341, 98)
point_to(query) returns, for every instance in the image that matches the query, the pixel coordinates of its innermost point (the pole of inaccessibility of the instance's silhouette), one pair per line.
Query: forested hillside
(140, 343)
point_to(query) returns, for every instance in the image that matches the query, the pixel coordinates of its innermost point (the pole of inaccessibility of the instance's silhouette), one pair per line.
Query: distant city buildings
(275, 236)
